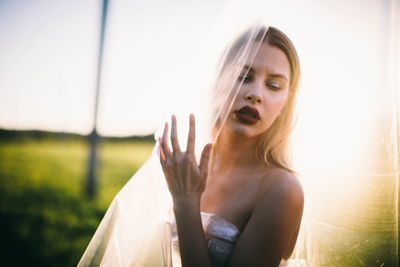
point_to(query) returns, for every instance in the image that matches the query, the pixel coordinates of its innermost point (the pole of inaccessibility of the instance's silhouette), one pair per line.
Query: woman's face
(263, 94)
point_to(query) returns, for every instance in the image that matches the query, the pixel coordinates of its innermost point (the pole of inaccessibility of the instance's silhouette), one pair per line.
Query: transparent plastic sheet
(130, 232)
(136, 229)
(346, 153)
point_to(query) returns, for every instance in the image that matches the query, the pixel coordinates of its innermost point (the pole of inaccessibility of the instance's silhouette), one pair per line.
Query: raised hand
(185, 178)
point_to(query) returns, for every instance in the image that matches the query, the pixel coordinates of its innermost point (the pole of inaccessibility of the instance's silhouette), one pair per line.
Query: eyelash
(274, 85)
(245, 78)
(270, 84)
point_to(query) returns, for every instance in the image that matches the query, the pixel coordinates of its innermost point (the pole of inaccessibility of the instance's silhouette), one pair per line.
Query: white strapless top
(221, 237)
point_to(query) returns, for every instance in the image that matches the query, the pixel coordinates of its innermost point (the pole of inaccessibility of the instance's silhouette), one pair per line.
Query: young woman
(241, 204)
(249, 187)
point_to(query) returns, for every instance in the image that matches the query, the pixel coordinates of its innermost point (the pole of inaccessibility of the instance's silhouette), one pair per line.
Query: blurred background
(58, 57)
(49, 72)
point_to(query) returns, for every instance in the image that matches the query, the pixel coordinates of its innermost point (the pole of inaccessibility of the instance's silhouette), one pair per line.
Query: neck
(235, 152)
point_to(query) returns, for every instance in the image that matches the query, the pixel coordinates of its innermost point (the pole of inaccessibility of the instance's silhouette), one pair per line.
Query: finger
(164, 143)
(162, 155)
(205, 157)
(174, 136)
(192, 135)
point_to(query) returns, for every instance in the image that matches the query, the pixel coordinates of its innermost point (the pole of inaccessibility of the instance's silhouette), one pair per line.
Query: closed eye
(273, 85)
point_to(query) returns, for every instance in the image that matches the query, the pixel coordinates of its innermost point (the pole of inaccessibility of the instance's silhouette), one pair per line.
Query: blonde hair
(274, 146)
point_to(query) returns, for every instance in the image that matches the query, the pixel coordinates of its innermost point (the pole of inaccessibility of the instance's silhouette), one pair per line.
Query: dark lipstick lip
(251, 110)
(243, 116)
(246, 119)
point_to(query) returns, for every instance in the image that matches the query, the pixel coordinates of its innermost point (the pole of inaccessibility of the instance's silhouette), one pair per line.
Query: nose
(253, 94)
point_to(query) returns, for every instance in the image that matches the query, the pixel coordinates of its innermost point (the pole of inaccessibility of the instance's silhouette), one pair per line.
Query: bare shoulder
(282, 185)
(280, 198)
(274, 222)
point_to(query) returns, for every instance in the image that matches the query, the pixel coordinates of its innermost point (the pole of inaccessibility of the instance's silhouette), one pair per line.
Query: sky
(49, 49)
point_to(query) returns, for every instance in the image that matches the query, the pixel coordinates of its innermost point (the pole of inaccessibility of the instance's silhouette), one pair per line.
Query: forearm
(186, 181)
(192, 242)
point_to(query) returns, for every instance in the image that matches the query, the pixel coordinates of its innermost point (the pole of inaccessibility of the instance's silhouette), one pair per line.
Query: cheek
(275, 105)
(238, 101)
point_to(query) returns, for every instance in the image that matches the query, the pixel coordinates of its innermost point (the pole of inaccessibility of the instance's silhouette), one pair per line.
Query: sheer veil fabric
(345, 144)
(136, 230)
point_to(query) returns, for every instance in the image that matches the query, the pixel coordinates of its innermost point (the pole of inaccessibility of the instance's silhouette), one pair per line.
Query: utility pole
(94, 137)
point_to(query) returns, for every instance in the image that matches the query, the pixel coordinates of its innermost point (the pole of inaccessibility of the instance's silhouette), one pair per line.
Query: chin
(240, 129)
(243, 130)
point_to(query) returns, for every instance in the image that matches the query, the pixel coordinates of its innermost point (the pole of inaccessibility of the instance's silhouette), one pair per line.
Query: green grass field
(45, 217)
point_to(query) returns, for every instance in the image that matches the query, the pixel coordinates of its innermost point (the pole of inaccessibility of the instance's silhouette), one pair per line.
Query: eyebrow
(273, 75)
(278, 76)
